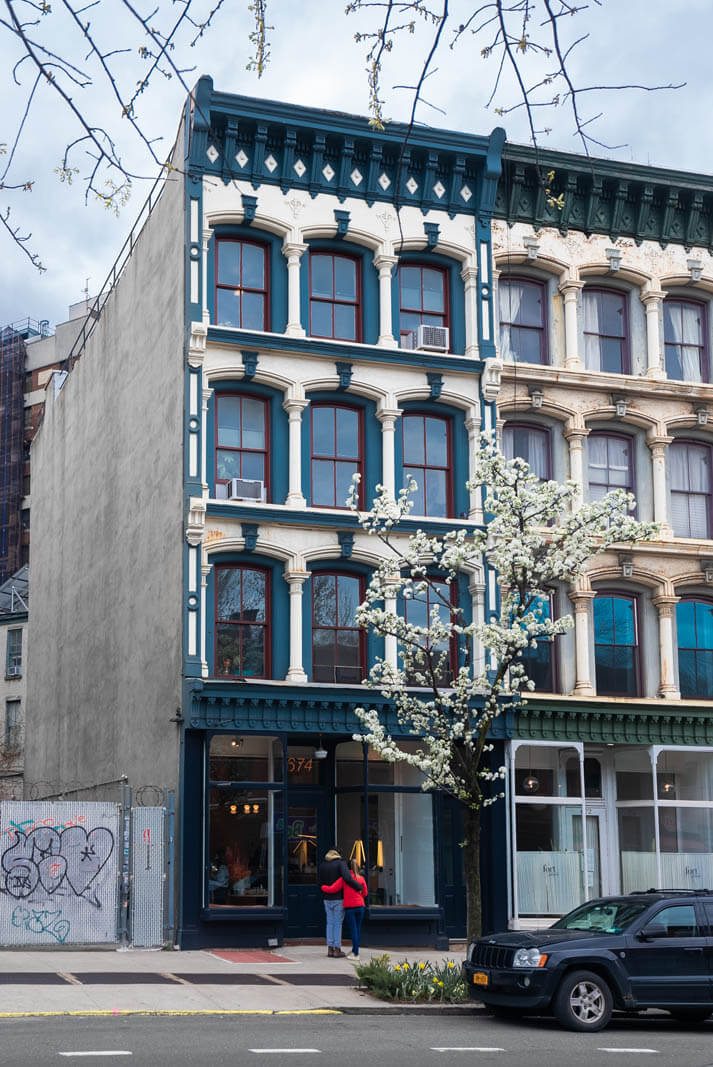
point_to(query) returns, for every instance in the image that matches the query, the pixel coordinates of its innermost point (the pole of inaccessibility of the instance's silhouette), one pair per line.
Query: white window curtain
(682, 329)
(592, 327)
(509, 303)
(690, 490)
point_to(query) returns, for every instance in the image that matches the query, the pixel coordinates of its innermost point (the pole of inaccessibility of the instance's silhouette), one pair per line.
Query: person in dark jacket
(331, 869)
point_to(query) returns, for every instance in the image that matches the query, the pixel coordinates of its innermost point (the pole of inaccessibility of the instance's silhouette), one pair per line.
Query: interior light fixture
(246, 809)
(320, 753)
(531, 783)
(233, 809)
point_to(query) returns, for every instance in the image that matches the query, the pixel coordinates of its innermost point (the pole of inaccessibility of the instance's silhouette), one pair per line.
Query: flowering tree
(538, 535)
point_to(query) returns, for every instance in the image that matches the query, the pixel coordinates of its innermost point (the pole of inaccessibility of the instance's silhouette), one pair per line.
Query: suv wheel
(583, 1002)
(690, 1015)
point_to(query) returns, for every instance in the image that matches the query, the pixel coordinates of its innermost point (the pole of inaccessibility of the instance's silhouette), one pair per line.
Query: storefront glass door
(306, 826)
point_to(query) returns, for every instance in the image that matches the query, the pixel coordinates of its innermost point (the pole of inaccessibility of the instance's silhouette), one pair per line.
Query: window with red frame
(334, 296)
(241, 284)
(423, 297)
(242, 630)
(684, 333)
(241, 446)
(605, 331)
(337, 642)
(427, 459)
(336, 453)
(522, 320)
(417, 612)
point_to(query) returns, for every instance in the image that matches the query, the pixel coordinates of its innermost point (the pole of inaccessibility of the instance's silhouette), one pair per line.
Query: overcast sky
(316, 62)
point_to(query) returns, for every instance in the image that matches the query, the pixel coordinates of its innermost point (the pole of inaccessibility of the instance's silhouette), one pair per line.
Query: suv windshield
(604, 916)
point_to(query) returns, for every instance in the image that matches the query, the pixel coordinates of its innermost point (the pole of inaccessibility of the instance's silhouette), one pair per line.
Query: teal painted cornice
(342, 350)
(273, 143)
(606, 196)
(608, 722)
(337, 520)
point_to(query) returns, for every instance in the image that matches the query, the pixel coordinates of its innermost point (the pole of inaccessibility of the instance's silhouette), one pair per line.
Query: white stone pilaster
(293, 252)
(582, 615)
(570, 290)
(387, 417)
(575, 439)
(658, 446)
(469, 274)
(294, 406)
(476, 589)
(667, 678)
(475, 504)
(295, 580)
(207, 234)
(385, 266)
(651, 299)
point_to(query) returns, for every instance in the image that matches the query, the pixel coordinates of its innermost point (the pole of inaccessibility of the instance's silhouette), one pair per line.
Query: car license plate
(480, 978)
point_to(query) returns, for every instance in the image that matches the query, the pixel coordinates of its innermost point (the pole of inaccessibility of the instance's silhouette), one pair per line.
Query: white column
(477, 593)
(387, 417)
(651, 300)
(658, 446)
(385, 266)
(667, 679)
(205, 572)
(570, 290)
(293, 251)
(469, 274)
(390, 643)
(582, 614)
(295, 580)
(475, 504)
(575, 438)
(207, 234)
(207, 393)
(294, 408)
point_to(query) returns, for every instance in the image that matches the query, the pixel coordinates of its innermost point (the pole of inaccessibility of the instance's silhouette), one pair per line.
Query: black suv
(646, 950)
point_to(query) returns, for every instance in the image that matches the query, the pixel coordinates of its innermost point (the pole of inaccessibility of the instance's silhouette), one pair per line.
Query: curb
(396, 1009)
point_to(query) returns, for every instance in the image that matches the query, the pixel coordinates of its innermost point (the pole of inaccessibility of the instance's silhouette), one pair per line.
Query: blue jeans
(335, 916)
(354, 917)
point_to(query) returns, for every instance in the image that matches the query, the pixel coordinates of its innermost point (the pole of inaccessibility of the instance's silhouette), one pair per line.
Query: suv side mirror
(653, 930)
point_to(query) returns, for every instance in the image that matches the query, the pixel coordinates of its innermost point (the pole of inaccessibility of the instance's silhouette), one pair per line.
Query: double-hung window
(539, 661)
(337, 641)
(690, 489)
(241, 287)
(438, 596)
(605, 331)
(610, 465)
(13, 723)
(334, 290)
(694, 623)
(13, 661)
(616, 645)
(336, 453)
(242, 627)
(427, 459)
(423, 297)
(241, 438)
(530, 443)
(522, 321)
(684, 331)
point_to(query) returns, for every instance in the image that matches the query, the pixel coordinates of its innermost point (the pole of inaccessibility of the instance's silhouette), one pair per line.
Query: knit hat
(333, 854)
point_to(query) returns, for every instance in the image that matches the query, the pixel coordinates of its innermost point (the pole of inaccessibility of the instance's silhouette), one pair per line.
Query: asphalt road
(347, 1041)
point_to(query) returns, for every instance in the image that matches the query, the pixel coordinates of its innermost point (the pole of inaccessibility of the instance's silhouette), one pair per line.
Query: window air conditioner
(14, 672)
(428, 339)
(241, 489)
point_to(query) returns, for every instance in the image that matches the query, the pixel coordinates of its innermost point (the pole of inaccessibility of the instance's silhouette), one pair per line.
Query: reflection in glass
(694, 624)
(302, 857)
(245, 758)
(549, 858)
(241, 621)
(401, 855)
(244, 858)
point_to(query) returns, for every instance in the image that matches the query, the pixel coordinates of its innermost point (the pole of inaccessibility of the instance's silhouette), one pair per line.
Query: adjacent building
(274, 327)
(14, 602)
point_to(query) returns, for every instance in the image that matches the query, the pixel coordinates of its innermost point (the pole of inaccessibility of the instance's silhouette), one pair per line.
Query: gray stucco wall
(105, 634)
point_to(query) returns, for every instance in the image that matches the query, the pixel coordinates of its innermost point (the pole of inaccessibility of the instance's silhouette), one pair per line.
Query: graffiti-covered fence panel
(59, 872)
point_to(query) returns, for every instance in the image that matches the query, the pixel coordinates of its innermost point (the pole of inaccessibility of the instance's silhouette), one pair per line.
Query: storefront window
(245, 858)
(350, 765)
(302, 767)
(685, 832)
(301, 844)
(244, 758)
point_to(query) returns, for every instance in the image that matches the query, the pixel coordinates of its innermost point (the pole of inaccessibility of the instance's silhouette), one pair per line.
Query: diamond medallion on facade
(271, 163)
(356, 176)
(328, 172)
(384, 181)
(412, 185)
(299, 168)
(241, 159)
(466, 193)
(212, 153)
(439, 190)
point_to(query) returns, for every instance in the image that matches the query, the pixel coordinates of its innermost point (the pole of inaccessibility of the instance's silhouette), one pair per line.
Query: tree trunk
(471, 862)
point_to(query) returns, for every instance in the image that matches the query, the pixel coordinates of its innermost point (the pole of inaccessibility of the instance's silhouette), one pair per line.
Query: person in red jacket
(353, 904)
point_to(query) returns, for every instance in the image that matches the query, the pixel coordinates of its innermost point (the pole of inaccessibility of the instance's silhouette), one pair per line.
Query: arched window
(334, 296)
(338, 644)
(531, 443)
(694, 624)
(336, 453)
(427, 459)
(242, 621)
(241, 284)
(423, 297)
(242, 438)
(522, 321)
(616, 645)
(610, 464)
(690, 489)
(606, 345)
(684, 331)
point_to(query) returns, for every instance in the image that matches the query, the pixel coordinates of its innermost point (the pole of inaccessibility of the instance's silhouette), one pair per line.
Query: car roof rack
(677, 892)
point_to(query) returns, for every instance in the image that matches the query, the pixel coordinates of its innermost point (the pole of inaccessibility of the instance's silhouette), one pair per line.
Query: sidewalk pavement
(291, 979)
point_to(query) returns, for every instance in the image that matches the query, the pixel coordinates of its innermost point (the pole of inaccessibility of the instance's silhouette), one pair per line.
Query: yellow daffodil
(421, 966)
(397, 967)
(451, 963)
(441, 984)
(405, 966)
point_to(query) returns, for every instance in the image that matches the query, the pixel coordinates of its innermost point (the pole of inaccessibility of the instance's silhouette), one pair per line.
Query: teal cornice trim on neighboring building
(613, 722)
(274, 143)
(605, 196)
(216, 705)
(344, 351)
(316, 519)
